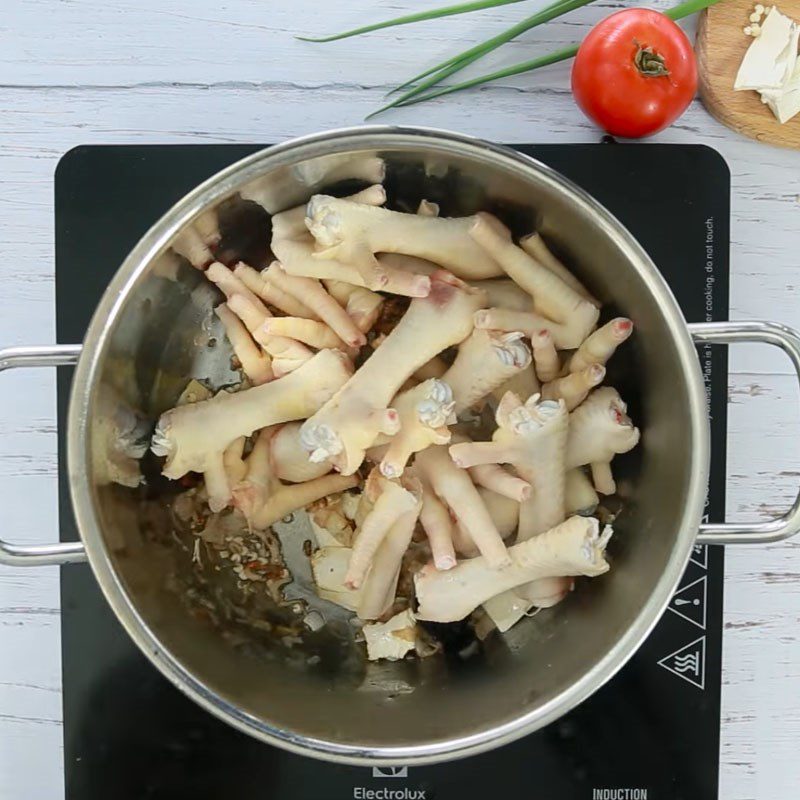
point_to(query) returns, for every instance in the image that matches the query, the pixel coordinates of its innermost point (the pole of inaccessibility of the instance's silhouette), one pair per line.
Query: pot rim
(94, 347)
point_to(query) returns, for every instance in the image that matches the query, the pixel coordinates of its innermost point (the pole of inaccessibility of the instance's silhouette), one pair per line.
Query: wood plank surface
(153, 71)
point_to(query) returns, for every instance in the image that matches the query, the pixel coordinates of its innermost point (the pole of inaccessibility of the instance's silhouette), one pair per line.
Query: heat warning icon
(700, 553)
(689, 662)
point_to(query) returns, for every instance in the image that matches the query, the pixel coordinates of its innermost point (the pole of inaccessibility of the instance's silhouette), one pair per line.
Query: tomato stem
(648, 62)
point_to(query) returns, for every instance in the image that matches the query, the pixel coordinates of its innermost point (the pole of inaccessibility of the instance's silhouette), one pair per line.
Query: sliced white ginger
(455, 489)
(601, 345)
(579, 493)
(313, 294)
(574, 387)
(298, 258)
(362, 305)
(504, 293)
(599, 429)
(325, 538)
(393, 639)
(289, 459)
(545, 357)
(425, 412)
(334, 516)
(380, 585)
(190, 244)
(508, 608)
(329, 567)
(533, 438)
(191, 436)
(390, 502)
(535, 246)
(485, 361)
(353, 233)
(291, 224)
(438, 526)
(557, 307)
(269, 293)
(309, 331)
(292, 185)
(351, 421)
(256, 364)
(575, 547)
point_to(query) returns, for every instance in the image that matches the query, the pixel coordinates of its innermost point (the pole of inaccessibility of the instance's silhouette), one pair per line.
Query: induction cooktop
(652, 733)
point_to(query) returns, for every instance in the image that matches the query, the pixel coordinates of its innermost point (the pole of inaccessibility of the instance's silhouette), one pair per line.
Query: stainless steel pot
(142, 346)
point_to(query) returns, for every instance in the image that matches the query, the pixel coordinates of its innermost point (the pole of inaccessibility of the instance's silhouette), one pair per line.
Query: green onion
(679, 12)
(435, 13)
(525, 66)
(457, 63)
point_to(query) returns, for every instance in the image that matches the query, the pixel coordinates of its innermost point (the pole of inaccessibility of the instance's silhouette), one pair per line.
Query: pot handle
(36, 555)
(789, 341)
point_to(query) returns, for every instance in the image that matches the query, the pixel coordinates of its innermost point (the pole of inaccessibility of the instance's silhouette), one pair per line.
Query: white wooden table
(82, 71)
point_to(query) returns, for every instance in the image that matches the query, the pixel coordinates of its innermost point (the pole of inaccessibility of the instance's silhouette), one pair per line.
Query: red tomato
(634, 73)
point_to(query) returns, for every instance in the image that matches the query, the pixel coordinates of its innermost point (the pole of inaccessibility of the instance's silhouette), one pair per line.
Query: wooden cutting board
(720, 47)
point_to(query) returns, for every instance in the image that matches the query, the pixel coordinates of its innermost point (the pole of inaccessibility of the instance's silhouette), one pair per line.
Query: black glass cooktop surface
(652, 733)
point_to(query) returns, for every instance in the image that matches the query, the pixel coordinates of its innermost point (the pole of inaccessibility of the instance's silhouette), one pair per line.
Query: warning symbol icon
(690, 602)
(700, 555)
(688, 663)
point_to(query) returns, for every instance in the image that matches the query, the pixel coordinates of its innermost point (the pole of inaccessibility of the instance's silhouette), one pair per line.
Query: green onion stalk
(418, 94)
(418, 86)
(422, 16)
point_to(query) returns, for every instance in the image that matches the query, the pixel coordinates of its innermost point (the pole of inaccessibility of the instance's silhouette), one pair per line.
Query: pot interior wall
(166, 333)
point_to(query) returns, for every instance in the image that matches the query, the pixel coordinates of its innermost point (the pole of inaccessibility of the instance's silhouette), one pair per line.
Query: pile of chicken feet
(507, 521)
